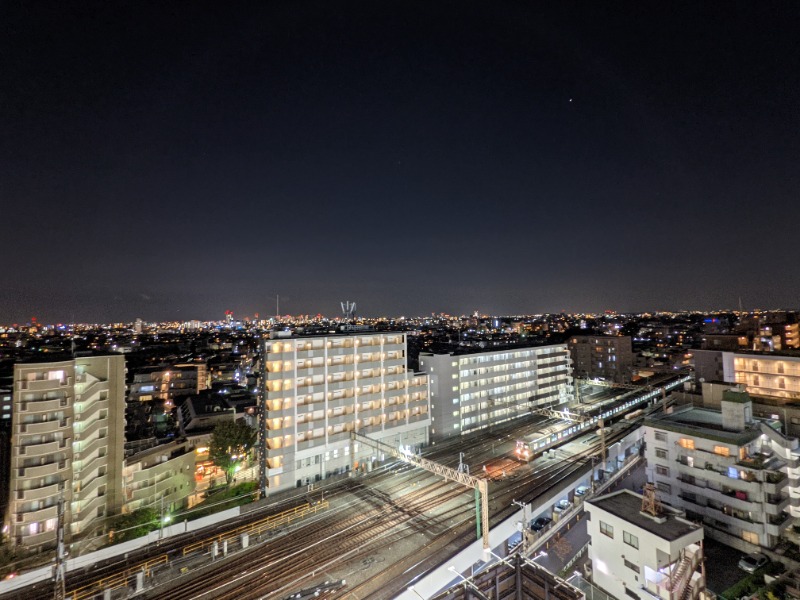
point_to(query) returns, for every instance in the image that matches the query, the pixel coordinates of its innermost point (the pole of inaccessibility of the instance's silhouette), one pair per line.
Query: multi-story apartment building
(320, 388)
(6, 405)
(167, 383)
(161, 477)
(738, 475)
(67, 440)
(474, 390)
(605, 356)
(770, 375)
(643, 549)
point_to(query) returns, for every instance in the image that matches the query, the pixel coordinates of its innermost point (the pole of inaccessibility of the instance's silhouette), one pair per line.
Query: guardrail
(271, 522)
(118, 580)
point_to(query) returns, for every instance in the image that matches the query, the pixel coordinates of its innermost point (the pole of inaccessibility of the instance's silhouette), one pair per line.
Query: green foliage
(230, 443)
(133, 525)
(751, 584)
(775, 591)
(225, 498)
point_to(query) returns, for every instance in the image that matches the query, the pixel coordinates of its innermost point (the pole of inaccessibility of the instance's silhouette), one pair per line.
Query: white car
(562, 505)
(753, 562)
(581, 490)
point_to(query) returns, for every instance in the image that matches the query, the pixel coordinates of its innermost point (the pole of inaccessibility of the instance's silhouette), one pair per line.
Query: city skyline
(170, 163)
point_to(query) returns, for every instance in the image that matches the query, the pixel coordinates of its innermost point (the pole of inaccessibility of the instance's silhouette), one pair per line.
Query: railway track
(363, 520)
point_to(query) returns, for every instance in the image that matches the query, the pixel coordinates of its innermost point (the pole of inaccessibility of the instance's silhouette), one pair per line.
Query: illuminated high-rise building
(473, 390)
(67, 440)
(320, 388)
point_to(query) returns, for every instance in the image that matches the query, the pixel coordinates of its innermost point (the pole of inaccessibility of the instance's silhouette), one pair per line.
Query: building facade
(768, 375)
(67, 442)
(738, 475)
(604, 356)
(319, 389)
(475, 390)
(160, 478)
(638, 553)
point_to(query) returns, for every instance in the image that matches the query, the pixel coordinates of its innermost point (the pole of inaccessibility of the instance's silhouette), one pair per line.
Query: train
(557, 433)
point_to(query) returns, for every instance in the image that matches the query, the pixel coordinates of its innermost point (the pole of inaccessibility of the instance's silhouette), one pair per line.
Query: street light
(411, 589)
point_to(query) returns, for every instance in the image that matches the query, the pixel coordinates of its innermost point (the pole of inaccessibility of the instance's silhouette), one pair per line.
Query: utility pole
(602, 445)
(58, 571)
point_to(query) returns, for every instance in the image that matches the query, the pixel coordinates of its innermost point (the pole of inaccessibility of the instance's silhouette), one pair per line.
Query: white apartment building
(471, 391)
(67, 440)
(767, 375)
(160, 477)
(320, 388)
(738, 475)
(643, 554)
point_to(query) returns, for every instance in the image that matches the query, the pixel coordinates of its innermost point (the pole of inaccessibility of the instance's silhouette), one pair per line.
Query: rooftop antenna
(348, 310)
(277, 307)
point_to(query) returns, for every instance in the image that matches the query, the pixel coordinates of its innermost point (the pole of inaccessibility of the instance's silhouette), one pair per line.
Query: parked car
(562, 505)
(541, 523)
(753, 562)
(581, 490)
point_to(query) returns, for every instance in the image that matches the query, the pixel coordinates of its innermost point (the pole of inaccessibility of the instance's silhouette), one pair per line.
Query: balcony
(38, 515)
(50, 426)
(776, 507)
(43, 449)
(47, 491)
(777, 525)
(43, 406)
(50, 468)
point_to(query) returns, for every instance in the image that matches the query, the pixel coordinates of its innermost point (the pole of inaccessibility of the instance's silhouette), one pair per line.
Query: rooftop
(627, 505)
(704, 423)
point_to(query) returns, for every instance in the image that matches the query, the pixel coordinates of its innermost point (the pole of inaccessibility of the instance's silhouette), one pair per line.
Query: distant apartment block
(67, 439)
(474, 390)
(771, 375)
(602, 356)
(738, 475)
(645, 554)
(320, 388)
(168, 383)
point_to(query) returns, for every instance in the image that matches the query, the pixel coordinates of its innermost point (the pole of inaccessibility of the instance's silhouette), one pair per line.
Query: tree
(132, 525)
(230, 443)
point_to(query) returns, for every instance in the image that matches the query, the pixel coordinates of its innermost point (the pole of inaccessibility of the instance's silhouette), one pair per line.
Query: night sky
(173, 160)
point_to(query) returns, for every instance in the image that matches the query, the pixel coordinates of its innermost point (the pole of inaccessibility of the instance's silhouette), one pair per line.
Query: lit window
(722, 450)
(686, 443)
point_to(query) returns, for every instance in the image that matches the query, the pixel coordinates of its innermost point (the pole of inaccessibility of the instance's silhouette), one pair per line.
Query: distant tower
(137, 326)
(229, 317)
(349, 310)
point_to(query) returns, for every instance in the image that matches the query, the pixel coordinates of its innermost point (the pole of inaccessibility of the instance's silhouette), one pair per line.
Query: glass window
(661, 453)
(661, 436)
(606, 529)
(630, 539)
(687, 443)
